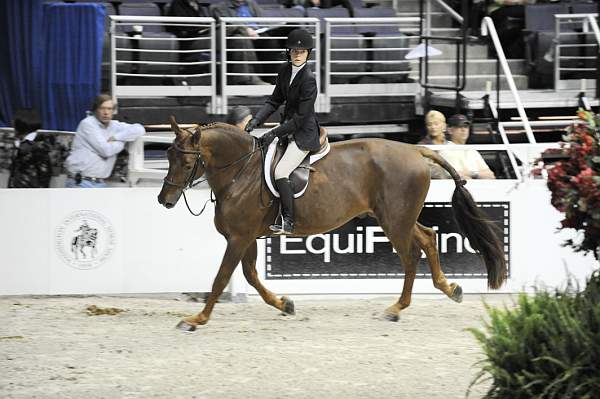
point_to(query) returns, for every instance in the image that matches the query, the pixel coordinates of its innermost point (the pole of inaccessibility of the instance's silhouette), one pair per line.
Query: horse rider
(297, 88)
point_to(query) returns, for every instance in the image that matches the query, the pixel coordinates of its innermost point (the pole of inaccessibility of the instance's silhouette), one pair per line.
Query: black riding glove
(252, 123)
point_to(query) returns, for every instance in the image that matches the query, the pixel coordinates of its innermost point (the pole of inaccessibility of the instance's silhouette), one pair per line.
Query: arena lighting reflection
(363, 241)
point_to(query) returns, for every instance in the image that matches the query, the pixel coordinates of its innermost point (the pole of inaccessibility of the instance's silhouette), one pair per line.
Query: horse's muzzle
(168, 205)
(168, 201)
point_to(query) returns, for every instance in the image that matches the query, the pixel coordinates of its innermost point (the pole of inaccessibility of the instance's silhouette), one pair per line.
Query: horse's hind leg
(409, 253)
(425, 238)
(284, 304)
(401, 238)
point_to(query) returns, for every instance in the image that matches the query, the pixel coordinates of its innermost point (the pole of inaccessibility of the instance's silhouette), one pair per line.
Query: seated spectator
(186, 8)
(509, 20)
(189, 8)
(239, 116)
(468, 163)
(245, 69)
(435, 123)
(97, 142)
(31, 165)
(476, 11)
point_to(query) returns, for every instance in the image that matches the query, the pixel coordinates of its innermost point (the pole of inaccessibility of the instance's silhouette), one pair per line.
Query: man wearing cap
(467, 162)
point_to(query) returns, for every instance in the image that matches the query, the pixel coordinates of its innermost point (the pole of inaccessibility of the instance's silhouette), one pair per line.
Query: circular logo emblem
(85, 239)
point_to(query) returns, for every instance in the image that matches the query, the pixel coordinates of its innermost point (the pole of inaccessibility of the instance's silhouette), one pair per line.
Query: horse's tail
(480, 231)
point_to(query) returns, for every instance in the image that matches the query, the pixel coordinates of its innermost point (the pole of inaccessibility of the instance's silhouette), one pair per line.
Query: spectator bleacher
(382, 37)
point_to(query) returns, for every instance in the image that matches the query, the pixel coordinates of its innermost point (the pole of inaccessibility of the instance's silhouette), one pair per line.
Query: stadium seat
(121, 2)
(153, 32)
(584, 8)
(384, 37)
(294, 12)
(263, 4)
(339, 45)
(142, 10)
(376, 12)
(540, 17)
(322, 13)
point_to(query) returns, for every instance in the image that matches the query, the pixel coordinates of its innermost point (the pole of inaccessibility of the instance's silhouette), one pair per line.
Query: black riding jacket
(299, 118)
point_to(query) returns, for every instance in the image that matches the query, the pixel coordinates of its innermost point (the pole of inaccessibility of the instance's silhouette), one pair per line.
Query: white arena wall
(145, 248)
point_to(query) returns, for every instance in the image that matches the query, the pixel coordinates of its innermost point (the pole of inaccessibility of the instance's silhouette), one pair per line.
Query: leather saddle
(299, 177)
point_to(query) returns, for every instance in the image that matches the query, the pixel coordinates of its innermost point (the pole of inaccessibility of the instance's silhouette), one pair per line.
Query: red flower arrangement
(575, 183)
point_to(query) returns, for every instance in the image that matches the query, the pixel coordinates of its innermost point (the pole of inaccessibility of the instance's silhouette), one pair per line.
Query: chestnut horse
(386, 179)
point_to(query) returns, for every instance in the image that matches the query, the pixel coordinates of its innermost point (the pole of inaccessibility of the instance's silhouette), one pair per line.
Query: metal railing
(273, 24)
(527, 153)
(459, 41)
(356, 48)
(132, 58)
(576, 48)
(488, 28)
(131, 52)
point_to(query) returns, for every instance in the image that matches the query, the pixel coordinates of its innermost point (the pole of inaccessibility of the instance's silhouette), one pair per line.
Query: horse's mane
(232, 132)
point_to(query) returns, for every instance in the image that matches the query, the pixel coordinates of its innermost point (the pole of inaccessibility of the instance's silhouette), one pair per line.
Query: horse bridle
(190, 183)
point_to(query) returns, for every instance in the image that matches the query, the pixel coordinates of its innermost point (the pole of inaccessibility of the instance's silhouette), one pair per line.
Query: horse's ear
(175, 126)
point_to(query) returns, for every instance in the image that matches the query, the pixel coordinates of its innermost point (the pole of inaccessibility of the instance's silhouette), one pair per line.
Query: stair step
(533, 98)
(444, 31)
(474, 51)
(474, 67)
(439, 19)
(478, 82)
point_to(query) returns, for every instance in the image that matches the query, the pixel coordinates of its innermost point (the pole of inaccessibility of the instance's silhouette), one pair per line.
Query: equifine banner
(360, 249)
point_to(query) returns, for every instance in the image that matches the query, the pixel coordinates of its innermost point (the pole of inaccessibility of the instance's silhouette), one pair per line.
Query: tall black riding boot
(286, 195)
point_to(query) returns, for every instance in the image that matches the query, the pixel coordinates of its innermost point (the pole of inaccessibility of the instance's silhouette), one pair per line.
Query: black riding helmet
(299, 39)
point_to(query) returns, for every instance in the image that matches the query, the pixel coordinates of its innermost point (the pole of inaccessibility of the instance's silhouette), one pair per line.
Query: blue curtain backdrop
(72, 61)
(20, 36)
(50, 59)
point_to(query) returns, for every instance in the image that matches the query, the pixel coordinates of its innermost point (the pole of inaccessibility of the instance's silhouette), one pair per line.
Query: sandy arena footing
(50, 347)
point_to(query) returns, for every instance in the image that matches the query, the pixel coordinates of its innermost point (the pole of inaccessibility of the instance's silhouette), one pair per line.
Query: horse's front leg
(236, 248)
(284, 304)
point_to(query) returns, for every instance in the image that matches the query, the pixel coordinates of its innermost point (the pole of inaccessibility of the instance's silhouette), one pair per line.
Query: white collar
(30, 137)
(296, 69)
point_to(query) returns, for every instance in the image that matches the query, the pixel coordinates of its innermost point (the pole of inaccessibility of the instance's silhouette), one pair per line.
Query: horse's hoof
(391, 317)
(185, 326)
(457, 294)
(288, 306)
